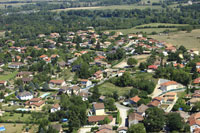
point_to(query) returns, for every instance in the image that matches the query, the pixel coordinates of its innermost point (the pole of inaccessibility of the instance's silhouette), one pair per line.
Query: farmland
(189, 40)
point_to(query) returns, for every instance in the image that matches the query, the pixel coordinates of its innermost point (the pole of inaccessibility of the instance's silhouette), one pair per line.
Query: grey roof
(25, 93)
(142, 108)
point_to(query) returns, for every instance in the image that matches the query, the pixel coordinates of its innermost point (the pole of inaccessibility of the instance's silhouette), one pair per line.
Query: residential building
(122, 129)
(134, 100)
(35, 104)
(74, 89)
(55, 108)
(155, 102)
(141, 109)
(99, 108)
(15, 65)
(134, 118)
(26, 95)
(3, 83)
(170, 85)
(85, 82)
(57, 83)
(95, 119)
(194, 122)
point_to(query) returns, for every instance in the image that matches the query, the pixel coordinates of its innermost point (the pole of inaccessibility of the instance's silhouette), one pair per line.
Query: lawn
(15, 117)
(8, 76)
(18, 128)
(108, 89)
(189, 40)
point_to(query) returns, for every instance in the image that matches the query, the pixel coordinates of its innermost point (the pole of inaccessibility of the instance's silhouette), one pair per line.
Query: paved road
(123, 113)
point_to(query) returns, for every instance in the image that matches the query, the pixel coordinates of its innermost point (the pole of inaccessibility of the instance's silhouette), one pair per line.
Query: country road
(123, 113)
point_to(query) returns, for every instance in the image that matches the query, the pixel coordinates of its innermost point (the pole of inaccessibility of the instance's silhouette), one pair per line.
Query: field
(18, 128)
(8, 76)
(15, 117)
(189, 40)
(108, 89)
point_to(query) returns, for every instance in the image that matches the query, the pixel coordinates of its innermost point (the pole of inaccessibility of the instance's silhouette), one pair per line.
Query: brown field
(189, 40)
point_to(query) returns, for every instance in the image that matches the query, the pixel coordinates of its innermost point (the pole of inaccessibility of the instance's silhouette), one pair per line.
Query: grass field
(108, 89)
(8, 76)
(15, 117)
(189, 40)
(18, 128)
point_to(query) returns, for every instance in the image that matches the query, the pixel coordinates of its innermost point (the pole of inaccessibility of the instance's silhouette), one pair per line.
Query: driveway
(84, 130)
(123, 113)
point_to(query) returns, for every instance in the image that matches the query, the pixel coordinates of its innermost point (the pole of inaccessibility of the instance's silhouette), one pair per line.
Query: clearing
(108, 88)
(18, 128)
(189, 40)
(8, 76)
(140, 58)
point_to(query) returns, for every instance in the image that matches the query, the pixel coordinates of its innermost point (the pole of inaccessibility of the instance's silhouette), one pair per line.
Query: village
(119, 79)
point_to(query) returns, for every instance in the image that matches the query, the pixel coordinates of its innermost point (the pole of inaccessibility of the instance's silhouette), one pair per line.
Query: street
(123, 113)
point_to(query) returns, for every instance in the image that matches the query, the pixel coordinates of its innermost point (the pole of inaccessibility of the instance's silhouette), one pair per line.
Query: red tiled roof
(35, 99)
(2, 81)
(56, 81)
(198, 64)
(196, 81)
(169, 83)
(56, 106)
(38, 104)
(152, 67)
(43, 56)
(98, 106)
(194, 119)
(135, 99)
(180, 65)
(99, 118)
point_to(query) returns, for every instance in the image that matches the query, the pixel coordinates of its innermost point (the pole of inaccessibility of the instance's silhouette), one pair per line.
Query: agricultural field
(189, 40)
(108, 89)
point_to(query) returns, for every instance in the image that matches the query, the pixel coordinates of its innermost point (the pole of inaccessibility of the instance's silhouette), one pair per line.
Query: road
(123, 113)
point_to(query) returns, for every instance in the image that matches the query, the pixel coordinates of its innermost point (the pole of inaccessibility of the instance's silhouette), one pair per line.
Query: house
(35, 104)
(85, 82)
(23, 74)
(169, 97)
(27, 80)
(15, 65)
(152, 68)
(122, 129)
(194, 122)
(141, 109)
(134, 118)
(95, 119)
(198, 65)
(195, 97)
(99, 108)
(57, 127)
(196, 81)
(73, 90)
(98, 75)
(26, 95)
(62, 64)
(105, 129)
(84, 95)
(69, 62)
(57, 82)
(169, 85)
(155, 102)
(55, 108)
(3, 83)
(134, 100)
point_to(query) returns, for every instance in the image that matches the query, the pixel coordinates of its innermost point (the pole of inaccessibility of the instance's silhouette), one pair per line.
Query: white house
(169, 85)
(15, 65)
(3, 83)
(25, 95)
(198, 65)
(85, 82)
(55, 108)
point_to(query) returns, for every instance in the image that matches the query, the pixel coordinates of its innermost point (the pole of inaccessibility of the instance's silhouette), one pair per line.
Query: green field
(18, 128)
(108, 89)
(189, 40)
(8, 76)
(15, 117)
(150, 30)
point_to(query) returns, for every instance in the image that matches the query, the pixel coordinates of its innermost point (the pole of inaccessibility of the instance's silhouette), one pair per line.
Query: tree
(174, 122)
(124, 80)
(137, 128)
(45, 87)
(132, 61)
(110, 104)
(154, 120)
(95, 94)
(196, 107)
